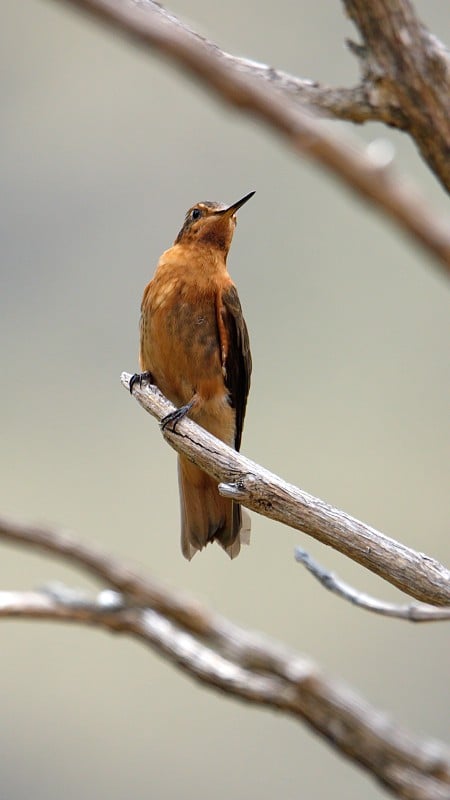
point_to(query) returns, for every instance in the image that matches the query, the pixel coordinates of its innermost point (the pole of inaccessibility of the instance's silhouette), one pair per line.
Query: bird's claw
(175, 416)
(171, 419)
(140, 378)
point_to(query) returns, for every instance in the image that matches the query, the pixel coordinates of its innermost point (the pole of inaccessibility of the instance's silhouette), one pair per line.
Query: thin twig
(146, 23)
(357, 104)
(253, 668)
(417, 574)
(413, 612)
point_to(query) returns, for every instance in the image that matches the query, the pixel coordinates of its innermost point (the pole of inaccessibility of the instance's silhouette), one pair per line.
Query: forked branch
(238, 83)
(407, 70)
(221, 655)
(417, 574)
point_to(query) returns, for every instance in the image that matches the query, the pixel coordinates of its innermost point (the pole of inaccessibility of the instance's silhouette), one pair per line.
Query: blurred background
(103, 148)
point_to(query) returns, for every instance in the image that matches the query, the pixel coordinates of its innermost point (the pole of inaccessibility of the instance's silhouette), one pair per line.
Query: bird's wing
(236, 357)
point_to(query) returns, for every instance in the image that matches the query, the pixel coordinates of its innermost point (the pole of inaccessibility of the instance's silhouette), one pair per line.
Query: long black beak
(232, 209)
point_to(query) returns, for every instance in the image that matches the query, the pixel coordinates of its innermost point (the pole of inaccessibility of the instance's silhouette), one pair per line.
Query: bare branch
(122, 577)
(417, 574)
(354, 104)
(146, 23)
(413, 612)
(409, 70)
(253, 668)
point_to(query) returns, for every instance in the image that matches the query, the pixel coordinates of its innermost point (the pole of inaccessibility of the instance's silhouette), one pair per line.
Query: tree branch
(409, 70)
(415, 573)
(146, 23)
(248, 666)
(354, 104)
(413, 612)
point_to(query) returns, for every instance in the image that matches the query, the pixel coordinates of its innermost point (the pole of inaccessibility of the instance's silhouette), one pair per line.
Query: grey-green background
(103, 148)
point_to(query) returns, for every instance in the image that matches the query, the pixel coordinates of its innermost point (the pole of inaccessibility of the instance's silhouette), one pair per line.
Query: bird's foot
(175, 416)
(140, 378)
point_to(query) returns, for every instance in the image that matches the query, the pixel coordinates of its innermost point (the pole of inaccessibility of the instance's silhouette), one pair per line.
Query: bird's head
(211, 224)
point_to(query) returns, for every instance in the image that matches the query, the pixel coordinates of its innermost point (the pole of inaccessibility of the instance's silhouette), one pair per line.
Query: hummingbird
(194, 347)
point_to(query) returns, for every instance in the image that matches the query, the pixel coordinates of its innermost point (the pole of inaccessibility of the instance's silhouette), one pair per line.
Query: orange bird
(194, 346)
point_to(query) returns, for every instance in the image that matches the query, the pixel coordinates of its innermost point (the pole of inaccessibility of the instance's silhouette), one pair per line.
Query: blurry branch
(243, 480)
(413, 612)
(368, 172)
(406, 73)
(240, 663)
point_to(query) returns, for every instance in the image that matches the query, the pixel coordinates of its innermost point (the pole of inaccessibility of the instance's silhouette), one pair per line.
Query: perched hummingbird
(194, 346)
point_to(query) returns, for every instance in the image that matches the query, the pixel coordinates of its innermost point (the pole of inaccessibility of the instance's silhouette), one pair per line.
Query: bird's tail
(206, 516)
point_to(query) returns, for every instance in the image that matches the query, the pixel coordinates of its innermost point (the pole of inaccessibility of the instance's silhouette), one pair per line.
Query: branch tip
(414, 612)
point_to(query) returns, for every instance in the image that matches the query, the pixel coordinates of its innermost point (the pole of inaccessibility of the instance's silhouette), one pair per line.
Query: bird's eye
(196, 213)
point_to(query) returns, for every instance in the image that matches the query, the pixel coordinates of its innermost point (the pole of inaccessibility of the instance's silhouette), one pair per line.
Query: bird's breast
(180, 342)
